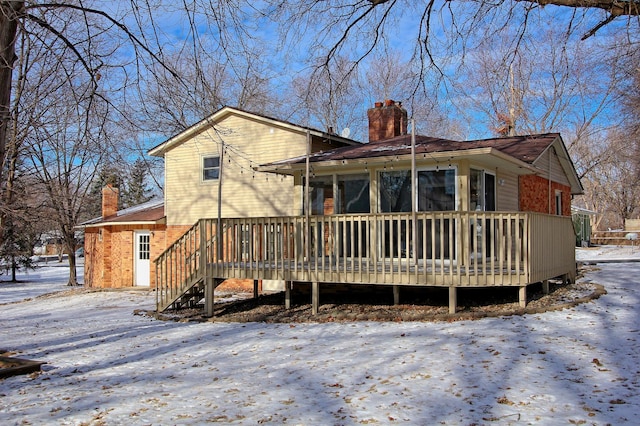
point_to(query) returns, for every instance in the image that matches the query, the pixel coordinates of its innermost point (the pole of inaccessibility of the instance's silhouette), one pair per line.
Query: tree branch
(614, 7)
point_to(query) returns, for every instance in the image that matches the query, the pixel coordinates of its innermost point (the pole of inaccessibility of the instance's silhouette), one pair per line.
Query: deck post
(255, 289)
(522, 296)
(208, 297)
(545, 286)
(287, 294)
(315, 297)
(453, 299)
(396, 294)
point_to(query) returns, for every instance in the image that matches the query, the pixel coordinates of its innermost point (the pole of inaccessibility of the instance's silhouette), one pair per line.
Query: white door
(142, 264)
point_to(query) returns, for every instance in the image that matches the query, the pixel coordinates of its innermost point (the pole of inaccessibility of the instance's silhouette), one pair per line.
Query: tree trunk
(14, 268)
(9, 13)
(70, 249)
(73, 274)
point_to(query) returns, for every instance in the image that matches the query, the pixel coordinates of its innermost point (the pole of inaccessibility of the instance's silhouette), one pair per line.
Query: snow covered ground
(109, 366)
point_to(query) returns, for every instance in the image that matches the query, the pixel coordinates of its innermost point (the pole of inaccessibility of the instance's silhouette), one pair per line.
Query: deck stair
(180, 271)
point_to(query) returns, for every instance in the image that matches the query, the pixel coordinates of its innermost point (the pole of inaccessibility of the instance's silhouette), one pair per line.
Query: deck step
(191, 296)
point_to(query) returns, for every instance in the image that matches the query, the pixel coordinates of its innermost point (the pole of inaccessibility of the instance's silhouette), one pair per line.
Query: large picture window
(437, 190)
(353, 194)
(395, 191)
(211, 168)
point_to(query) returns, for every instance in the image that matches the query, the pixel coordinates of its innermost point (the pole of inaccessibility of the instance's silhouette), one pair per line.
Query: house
(402, 210)
(209, 173)
(120, 244)
(582, 224)
(253, 200)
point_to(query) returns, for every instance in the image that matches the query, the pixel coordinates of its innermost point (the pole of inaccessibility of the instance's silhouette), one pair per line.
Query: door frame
(139, 275)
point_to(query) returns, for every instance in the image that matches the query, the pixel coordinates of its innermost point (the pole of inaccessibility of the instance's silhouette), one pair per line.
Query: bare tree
(613, 189)
(533, 89)
(82, 66)
(324, 98)
(62, 129)
(436, 36)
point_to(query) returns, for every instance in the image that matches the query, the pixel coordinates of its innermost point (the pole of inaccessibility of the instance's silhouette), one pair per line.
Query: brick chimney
(109, 201)
(387, 120)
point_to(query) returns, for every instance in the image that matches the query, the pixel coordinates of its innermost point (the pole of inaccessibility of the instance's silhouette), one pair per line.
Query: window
(395, 191)
(437, 190)
(210, 168)
(559, 203)
(353, 194)
(483, 191)
(144, 247)
(320, 195)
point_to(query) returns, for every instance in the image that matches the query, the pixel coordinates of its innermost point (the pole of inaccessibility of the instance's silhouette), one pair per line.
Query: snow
(109, 366)
(47, 277)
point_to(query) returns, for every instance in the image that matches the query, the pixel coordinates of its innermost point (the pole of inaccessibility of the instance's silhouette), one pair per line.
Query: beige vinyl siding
(549, 162)
(507, 192)
(244, 193)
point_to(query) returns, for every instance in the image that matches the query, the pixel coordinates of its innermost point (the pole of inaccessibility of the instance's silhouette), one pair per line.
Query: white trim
(138, 274)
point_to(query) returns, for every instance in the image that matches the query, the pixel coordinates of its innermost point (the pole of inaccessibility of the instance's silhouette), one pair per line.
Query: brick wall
(535, 196)
(110, 251)
(93, 252)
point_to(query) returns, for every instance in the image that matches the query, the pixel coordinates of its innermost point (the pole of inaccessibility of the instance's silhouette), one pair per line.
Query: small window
(144, 247)
(559, 203)
(211, 168)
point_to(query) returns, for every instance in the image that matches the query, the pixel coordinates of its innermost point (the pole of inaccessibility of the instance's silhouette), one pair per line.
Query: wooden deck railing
(179, 267)
(461, 249)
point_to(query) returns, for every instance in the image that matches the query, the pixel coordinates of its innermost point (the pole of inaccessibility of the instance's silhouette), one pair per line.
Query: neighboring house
(52, 244)
(209, 170)
(582, 224)
(434, 212)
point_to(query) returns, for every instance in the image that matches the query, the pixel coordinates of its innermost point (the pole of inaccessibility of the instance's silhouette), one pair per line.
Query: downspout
(549, 178)
(307, 226)
(414, 192)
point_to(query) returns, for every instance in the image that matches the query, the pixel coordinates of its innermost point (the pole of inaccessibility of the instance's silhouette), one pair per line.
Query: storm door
(437, 193)
(482, 198)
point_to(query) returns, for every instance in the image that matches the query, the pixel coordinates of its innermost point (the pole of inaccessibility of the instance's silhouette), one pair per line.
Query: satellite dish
(345, 132)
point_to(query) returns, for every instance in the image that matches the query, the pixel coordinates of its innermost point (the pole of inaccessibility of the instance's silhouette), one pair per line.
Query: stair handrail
(197, 260)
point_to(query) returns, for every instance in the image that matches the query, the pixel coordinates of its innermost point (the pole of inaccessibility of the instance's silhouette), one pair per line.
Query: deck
(444, 249)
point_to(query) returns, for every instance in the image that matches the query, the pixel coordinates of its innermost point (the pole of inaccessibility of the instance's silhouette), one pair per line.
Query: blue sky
(292, 59)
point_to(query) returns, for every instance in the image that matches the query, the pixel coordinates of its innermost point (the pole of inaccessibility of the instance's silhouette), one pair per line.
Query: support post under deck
(545, 286)
(453, 299)
(522, 296)
(396, 294)
(208, 296)
(287, 295)
(255, 289)
(315, 297)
